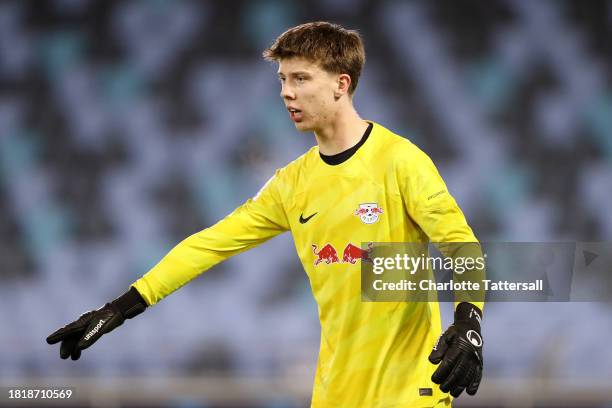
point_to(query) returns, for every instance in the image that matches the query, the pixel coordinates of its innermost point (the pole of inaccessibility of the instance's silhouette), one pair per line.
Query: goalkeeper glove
(89, 327)
(459, 353)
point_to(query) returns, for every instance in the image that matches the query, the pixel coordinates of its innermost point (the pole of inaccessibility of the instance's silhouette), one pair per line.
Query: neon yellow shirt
(372, 354)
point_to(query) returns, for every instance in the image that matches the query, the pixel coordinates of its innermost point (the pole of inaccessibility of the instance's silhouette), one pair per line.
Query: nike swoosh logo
(305, 220)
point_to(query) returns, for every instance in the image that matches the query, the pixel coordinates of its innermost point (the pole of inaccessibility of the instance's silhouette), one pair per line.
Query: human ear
(343, 85)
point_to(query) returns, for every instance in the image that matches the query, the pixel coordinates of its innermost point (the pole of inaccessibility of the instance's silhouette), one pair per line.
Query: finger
(69, 330)
(439, 349)
(455, 392)
(446, 366)
(76, 353)
(54, 337)
(468, 378)
(62, 333)
(68, 346)
(454, 378)
(473, 387)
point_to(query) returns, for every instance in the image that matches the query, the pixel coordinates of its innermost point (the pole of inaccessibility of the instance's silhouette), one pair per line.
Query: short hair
(332, 46)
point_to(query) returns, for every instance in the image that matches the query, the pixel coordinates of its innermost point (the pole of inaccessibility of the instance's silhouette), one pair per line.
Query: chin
(303, 127)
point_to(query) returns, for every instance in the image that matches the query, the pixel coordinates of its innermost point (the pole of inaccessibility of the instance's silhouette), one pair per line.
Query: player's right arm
(253, 223)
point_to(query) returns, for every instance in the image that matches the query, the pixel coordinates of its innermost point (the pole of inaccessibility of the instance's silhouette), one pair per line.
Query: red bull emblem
(327, 253)
(369, 212)
(351, 254)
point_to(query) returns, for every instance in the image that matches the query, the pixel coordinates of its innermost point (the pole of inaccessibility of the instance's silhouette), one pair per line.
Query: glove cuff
(130, 304)
(468, 312)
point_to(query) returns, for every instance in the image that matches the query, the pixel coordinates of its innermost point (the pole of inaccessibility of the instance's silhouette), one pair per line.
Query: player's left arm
(458, 351)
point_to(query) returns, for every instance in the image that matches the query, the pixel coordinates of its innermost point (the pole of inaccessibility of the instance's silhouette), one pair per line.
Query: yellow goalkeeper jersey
(372, 354)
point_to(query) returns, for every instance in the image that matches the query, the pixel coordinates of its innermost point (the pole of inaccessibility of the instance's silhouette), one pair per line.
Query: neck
(342, 133)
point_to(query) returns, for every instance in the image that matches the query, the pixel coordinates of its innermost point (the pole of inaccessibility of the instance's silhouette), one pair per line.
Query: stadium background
(126, 126)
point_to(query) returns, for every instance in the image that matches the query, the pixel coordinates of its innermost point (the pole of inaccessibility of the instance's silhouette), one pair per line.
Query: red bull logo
(326, 254)
(351, 254)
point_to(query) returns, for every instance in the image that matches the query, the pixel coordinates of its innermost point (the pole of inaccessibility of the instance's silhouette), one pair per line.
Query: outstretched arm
(254, 222)
(251, 224)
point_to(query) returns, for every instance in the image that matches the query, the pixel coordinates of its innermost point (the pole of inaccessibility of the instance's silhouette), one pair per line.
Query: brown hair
(335, 48)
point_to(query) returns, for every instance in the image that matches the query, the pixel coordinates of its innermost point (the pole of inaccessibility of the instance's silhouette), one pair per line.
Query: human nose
(287, 92)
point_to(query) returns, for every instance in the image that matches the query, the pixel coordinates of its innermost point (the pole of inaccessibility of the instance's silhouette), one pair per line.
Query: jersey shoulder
(288, 177)
(296, 167)
(398, 149)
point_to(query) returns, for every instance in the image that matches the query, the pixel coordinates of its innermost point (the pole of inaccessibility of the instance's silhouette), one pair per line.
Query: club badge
(368, 212)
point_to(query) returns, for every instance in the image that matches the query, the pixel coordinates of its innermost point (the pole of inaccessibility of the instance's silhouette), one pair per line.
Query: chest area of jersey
(335, 217)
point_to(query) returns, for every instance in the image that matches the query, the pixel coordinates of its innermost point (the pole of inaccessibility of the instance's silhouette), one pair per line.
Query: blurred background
(126, 126)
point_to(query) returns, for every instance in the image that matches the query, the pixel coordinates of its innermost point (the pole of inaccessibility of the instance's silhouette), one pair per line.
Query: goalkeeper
(361, 183)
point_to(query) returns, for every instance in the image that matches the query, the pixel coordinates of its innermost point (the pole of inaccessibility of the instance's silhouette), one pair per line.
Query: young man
(361, 183)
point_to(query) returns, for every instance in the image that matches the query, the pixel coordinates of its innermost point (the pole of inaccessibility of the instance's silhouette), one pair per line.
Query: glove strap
(130, 304)
(468, 312)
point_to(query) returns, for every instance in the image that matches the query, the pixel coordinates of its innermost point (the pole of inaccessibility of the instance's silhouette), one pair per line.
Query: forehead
(287, 66)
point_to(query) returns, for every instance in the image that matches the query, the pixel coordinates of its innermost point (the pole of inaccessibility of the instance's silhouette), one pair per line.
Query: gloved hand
(459, 353)
(89, 327)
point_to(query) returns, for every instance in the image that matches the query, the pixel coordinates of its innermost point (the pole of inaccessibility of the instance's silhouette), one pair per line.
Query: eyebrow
(295, 73)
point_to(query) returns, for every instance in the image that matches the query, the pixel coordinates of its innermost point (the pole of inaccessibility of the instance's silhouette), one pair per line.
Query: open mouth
(295, 114)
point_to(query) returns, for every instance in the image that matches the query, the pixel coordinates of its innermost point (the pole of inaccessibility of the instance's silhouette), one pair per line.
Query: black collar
(341, 157)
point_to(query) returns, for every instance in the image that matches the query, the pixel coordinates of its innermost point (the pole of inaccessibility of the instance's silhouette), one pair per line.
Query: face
(309, 92)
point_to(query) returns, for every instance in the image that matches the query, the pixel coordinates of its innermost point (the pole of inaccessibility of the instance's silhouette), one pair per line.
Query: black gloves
(459, 353)
(89, 327)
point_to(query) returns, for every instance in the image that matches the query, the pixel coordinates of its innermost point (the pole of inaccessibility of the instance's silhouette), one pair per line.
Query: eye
(301, 79)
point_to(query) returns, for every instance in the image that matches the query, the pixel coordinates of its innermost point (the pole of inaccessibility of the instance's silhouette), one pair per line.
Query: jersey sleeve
(257, 220)
(429, 203)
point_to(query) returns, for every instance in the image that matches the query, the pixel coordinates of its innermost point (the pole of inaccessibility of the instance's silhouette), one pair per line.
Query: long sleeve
(429, 203)
(254, 222)
(431, 206)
